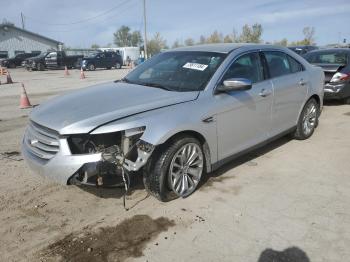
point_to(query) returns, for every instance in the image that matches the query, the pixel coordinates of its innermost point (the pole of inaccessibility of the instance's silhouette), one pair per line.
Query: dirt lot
(289, 201)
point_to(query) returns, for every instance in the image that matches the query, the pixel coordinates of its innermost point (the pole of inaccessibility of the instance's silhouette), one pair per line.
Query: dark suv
(336, 66)
(102, 60)
(17, 59)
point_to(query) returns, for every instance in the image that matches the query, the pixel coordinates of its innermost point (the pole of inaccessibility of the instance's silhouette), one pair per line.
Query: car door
(51, 59)
(244, 117)
(290, 83)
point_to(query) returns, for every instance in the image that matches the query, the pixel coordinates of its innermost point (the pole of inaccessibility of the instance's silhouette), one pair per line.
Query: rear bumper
(339, 91)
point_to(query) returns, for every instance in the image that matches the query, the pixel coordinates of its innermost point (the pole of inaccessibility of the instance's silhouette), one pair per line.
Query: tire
(157, 177)
(308, 120)
(118, 65)
(91, 67)
(12, 65)
(108, 68)
(40, 67)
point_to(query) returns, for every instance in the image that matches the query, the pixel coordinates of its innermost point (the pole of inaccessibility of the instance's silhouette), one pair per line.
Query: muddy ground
(289, 201)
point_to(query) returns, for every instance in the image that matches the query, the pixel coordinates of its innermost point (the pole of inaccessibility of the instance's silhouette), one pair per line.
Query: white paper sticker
(195, 66)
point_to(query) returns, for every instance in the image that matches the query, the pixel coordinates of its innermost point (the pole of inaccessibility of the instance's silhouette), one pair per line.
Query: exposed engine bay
(121, 153)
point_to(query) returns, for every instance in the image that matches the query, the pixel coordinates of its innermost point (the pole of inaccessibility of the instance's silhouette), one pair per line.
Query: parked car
(336, 66)
(17, 59)
(102, 60)
(302, 49)
(177, 115)
(59, 59)
(36, 63)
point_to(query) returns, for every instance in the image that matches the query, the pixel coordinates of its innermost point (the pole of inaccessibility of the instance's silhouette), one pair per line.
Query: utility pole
(22, 18)
(145, 23)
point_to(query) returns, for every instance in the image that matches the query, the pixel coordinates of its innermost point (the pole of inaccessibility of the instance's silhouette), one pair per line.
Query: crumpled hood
(83, 110)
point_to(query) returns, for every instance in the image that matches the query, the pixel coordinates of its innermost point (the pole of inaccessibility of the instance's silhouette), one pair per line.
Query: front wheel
(91, 67)
(175, 170)
(308, 120)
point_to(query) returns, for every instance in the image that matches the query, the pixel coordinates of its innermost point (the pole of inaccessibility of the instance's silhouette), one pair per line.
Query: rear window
(327, 58)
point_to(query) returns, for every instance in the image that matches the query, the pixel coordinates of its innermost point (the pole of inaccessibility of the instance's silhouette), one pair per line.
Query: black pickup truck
(59, 59)
(17, 60)
(53, 60)
(102, 60)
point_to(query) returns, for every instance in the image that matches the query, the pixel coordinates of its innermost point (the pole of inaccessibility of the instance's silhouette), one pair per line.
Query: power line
(79, 21)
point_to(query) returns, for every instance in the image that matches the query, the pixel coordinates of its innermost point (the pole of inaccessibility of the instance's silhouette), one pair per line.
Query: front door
(244, 117)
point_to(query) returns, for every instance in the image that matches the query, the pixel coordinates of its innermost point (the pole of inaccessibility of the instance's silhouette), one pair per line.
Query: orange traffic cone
(8, 78)
(82, 75)
(66, 73)
(24, 101)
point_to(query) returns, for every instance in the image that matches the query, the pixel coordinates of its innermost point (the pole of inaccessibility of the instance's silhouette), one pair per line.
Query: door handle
(264, 93)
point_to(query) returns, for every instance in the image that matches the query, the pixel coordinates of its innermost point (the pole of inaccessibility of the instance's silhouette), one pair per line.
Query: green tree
(189, 41)
(251, 34)
(156, 44)
(136, 38)
(215, 37)
(122, 37)
(95, 46)
(228, 39)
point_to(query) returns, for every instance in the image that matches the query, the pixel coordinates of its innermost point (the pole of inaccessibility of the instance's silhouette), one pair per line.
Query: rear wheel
(40, 67)
(12, 65)
(175, 170)
(118, 65)
(308, 120)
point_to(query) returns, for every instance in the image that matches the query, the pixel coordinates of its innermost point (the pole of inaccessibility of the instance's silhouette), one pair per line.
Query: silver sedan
(176, 116)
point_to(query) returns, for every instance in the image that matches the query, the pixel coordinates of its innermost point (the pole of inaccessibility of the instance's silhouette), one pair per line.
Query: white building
(14, 40)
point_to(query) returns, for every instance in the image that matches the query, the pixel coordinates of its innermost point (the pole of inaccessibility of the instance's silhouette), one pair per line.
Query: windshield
(327, 58)
(177, 71)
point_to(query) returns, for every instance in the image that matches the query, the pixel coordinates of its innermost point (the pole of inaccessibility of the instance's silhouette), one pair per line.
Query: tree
(136, 38)
(156, 44)
(122, 37)
(309, 35)
(189, 41)
(202, 40)
(215, 37)
(251, 34)
(283, 42)
(228, 39)
(95, 46)
(176, 44)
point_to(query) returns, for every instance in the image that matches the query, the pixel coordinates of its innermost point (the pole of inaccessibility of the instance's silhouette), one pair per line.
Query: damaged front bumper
(64, 167)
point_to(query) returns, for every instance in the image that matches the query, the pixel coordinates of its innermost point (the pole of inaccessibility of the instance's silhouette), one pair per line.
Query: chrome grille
(41, 141)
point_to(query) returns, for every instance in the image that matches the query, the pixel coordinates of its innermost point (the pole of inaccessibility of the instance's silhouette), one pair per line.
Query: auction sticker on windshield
(195, 66)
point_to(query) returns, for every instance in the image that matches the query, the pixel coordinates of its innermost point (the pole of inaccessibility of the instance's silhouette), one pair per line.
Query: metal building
(14, 40)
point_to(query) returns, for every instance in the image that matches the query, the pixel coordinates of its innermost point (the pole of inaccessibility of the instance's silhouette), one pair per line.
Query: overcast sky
(80, 23)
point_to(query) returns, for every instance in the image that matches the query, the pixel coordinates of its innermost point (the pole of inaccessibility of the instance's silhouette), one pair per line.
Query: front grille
(41, 141)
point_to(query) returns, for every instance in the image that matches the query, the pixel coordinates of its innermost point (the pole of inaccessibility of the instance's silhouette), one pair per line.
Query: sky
(80, 23)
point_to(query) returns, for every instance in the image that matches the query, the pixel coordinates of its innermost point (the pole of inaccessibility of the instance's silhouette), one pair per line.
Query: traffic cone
(66, 73)
(82, 75)
(8, 78)
(24, 101)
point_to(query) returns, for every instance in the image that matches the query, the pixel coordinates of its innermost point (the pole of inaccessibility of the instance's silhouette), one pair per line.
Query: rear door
(290, 83)
(244, 117)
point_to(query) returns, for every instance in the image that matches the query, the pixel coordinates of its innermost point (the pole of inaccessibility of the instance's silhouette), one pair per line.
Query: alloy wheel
(309, 119)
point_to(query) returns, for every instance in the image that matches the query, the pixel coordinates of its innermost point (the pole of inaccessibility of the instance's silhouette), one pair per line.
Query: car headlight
(84, 62)
(96, 143)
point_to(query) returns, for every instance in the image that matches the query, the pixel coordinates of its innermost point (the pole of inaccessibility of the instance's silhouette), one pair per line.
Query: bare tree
(189, 41)
(309, 35)
(251, 34)
(156, 44)
(215, 37)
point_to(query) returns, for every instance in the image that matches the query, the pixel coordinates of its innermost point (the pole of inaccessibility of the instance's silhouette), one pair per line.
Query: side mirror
(235, 84)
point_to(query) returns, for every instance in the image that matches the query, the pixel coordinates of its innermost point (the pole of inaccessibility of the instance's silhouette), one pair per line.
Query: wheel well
(317, 98)
(201, 139)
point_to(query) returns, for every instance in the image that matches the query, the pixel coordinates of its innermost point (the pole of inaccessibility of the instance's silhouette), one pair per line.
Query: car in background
(102, 60)
(36, 63)
(335, 63)
(302, 49)
(17, 59)
(178, 115)
(60, 60)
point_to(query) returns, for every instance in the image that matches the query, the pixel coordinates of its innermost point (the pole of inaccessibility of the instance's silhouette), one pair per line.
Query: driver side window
(246, 66)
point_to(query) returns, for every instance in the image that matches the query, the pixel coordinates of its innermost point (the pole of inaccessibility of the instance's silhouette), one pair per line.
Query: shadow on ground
(208, 179)
(292, 254)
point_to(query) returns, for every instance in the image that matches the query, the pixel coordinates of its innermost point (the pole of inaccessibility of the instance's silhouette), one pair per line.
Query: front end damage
(121, 153)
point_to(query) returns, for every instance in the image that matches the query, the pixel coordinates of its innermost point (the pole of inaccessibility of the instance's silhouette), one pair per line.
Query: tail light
(340, 77)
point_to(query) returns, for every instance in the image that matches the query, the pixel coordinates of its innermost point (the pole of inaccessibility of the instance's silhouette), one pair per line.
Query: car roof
(222, 47)
(346, 50)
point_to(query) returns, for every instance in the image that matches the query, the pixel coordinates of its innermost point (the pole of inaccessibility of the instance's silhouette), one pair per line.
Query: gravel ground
(289, 201)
